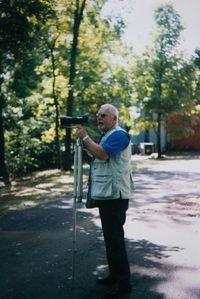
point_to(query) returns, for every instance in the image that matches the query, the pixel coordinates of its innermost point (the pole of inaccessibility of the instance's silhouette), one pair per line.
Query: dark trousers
(113, 216)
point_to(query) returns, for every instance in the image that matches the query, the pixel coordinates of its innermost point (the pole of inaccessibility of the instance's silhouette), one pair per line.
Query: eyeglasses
(102, 115)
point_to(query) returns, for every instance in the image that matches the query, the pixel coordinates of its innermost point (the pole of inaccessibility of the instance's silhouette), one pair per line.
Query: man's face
(105, 120)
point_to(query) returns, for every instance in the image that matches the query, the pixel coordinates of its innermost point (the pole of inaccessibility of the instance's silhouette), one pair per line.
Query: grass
(36, 189)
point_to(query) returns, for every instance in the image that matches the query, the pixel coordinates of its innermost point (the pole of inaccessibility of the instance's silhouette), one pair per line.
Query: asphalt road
(162, 235)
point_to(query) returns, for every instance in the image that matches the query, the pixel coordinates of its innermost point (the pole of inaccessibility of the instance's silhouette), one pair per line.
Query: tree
(37, 83)
(163, 84)
(101, 37)
(51, 45)
(196, 61)
(55, 46)
(14, 43)
(78, 16)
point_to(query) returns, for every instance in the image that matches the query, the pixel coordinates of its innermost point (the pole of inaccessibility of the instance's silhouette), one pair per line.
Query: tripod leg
(74, 215)
(79, 174)
(77, 195)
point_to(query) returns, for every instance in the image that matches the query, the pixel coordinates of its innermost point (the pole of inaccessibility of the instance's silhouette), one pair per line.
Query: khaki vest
(112, 179)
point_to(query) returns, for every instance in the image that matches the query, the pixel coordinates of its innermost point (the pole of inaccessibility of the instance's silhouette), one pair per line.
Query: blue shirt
(116, 142)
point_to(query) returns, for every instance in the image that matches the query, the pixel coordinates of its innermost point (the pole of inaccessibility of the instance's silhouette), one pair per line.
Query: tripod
(78, 195)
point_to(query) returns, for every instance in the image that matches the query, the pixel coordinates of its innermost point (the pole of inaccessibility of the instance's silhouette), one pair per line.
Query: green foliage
(143, 123)
(25, 79)
(36, 64)
(39, 75)
(25, 151)
(164, 82)
(28, 154)
(19, 23)
(168, 29)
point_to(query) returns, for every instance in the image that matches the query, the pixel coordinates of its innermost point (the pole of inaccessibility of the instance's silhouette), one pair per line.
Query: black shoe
(117, 292)
(109, 280)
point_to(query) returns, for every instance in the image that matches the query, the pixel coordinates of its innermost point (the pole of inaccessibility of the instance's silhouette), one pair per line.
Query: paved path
(163, 240)
(164, 226)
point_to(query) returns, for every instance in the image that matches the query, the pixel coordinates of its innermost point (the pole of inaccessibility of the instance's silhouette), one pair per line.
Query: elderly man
(110, 187)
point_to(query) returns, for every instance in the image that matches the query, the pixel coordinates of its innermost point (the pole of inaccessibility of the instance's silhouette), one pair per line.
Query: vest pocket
(102, 186)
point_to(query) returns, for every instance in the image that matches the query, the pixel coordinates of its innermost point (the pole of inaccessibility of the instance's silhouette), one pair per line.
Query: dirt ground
(162, 236)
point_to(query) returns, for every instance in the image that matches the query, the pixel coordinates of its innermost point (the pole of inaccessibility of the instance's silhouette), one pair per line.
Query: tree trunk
(3, 168)
(78, 15)
(159, 136)
(57, 142)
(161, 73)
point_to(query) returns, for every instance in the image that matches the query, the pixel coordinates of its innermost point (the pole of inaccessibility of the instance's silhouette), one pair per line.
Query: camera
(66, 121)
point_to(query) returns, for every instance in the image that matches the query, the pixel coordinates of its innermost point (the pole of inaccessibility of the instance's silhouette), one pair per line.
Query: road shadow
(36, 255)
(177, 193)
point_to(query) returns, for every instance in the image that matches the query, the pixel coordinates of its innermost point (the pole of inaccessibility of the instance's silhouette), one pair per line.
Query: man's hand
(94, 148)
(81, 132)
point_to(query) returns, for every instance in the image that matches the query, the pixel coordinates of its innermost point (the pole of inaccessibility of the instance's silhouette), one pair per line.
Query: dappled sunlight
(64, 179)
(40, 188)
(165, 210)
(95, 215)
(178, 281)
(22, 205)
(59, 206)
(152, 272)
(45, 185)
(100, 269)
(59, 190)
(82, 229)
(48, 172)
(30, 191)
(162, 233)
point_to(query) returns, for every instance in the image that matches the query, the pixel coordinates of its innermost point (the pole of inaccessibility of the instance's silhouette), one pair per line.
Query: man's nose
(99, 116)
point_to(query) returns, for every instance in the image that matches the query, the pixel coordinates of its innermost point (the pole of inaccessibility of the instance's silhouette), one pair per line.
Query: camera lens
(69, 120)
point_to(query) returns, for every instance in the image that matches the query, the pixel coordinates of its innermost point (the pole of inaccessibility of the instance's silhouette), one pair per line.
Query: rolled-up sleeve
(116, 142)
